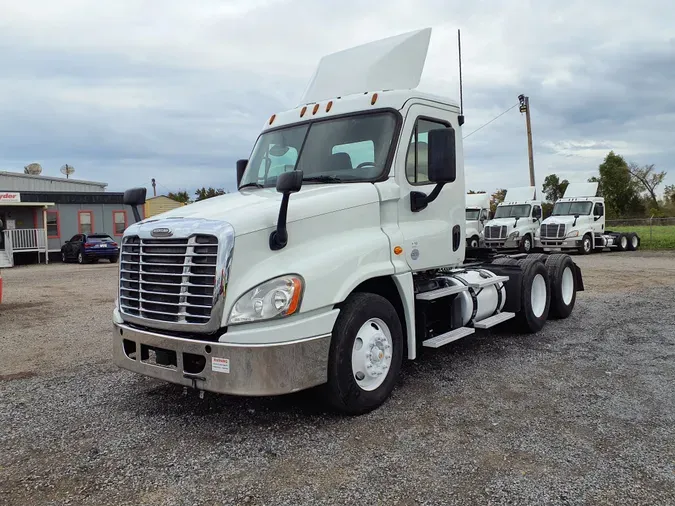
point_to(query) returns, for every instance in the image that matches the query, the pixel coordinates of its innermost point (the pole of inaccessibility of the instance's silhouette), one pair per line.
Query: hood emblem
(161, 232)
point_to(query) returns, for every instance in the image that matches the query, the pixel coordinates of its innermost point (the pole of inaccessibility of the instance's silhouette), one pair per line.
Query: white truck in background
(516, 221)
(341, 254)
(477, 213)
(577, 222)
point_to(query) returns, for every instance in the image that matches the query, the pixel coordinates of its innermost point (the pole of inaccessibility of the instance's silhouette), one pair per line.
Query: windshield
(472, 214)
(354, 148)
(517, 211)
(571, 208)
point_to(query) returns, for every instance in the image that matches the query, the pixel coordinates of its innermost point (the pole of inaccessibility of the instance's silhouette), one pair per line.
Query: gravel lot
(581, 413)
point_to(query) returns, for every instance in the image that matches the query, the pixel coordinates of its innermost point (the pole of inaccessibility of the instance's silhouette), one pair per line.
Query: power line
(493, 119)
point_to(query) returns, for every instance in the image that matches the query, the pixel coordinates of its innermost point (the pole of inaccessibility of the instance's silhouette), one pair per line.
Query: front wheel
(365, 354)
(526, 244)
(474, 242)
(64, 258)
(586, 245)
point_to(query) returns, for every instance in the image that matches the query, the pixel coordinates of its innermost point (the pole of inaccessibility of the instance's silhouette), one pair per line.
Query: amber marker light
(374, 99)
(272, 118)
(316, 109)
(329, 105)
(303, 111)
(398, 250)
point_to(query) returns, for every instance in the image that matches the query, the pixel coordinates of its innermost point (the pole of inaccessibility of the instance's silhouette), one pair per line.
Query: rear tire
(80, 258)
(358, 352)
(622, 242)
(542, 257)
(560, 269)
(633, 241)
(535, 296)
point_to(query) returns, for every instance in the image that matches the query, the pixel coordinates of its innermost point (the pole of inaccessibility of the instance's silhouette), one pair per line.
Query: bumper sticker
(220, 364)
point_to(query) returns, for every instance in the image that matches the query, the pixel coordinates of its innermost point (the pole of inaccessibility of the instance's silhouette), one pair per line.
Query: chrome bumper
(502, 243)
(235, 369)
(555, 243)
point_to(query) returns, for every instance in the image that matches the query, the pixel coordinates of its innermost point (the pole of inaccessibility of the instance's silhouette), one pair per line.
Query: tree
(204, 193)
(620, 189)
(649, 179)
(181, 196)
(554, 188)
(496, 198)
(669, 194)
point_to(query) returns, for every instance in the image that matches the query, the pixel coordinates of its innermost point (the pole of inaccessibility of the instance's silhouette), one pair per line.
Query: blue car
(84, 248)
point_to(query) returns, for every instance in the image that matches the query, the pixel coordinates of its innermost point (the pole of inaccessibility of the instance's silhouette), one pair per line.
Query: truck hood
(254, 209)
(560, 220)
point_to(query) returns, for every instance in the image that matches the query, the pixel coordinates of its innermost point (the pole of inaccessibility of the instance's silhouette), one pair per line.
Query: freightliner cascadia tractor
(341, 254)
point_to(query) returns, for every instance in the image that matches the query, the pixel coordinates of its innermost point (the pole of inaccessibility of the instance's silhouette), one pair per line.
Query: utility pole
(525, 107)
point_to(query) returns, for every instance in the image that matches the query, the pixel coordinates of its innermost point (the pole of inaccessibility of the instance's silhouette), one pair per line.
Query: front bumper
(502, 243)
(554, 243)
(236, 369)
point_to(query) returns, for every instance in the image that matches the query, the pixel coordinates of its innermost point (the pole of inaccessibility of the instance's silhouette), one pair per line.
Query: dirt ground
(580, 413)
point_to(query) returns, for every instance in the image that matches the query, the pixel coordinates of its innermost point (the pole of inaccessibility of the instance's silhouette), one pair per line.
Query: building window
(53, 225)
(85, 221)
(119, 222)
(417, 159)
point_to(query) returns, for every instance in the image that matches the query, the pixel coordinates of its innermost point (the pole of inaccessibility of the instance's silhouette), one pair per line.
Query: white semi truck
(516, 221)
(477, 213)
(340, 255)
(578, 223)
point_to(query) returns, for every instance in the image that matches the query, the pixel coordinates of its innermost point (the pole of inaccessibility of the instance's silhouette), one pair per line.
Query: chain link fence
(655, 233)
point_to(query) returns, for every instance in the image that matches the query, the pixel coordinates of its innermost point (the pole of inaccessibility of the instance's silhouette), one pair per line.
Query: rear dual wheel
(560, 269)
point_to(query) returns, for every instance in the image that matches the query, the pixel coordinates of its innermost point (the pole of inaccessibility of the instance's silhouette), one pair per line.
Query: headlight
(275, 298)
(513, 234)
(573, 233)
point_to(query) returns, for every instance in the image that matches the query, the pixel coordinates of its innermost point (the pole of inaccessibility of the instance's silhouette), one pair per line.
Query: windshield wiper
(322, 179)
(248, 185)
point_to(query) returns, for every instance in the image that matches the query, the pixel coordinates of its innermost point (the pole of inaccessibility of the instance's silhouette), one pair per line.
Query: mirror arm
(279, 237)
(420, 200)
(137, 215)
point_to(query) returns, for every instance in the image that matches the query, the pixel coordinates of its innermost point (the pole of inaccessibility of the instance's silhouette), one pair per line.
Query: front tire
(473, 242)
(366, 353)
(64, 258)
(526, 244)
(586, 245)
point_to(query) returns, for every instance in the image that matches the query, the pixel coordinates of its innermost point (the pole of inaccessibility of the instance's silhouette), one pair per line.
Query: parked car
(90, 248)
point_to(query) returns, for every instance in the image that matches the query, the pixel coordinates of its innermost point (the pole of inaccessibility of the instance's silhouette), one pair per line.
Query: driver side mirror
(241, 167)
(442, 155)
(536, 213)
(287, 183)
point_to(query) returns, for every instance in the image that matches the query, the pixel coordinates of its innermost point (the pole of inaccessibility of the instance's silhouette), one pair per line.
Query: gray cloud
(179, 91)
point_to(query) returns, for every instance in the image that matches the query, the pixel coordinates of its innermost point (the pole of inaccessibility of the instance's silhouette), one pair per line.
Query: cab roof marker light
(303, 111)
(329, 105)
(316, 109)
(374, 99)
(272, 118)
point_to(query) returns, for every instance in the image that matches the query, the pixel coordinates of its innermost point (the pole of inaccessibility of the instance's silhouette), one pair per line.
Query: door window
(417, 159)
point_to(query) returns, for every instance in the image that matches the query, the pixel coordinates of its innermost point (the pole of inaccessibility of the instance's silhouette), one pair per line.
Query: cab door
(433, 236)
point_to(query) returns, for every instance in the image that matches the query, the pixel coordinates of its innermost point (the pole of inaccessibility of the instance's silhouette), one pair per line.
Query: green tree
(554, 188)
(181, 196)
(669, 194)
(206, 193)
(649, 179)
(620, 190)
(496, 198)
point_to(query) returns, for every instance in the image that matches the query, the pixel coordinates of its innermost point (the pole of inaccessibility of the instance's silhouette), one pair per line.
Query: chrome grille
(169, 280)
(495, 232)
(553, 230)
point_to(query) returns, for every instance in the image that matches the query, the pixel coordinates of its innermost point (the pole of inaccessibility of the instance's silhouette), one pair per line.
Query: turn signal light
(398, 250)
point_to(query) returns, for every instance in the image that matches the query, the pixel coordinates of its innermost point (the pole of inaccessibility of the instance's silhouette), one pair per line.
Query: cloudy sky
(178, 89)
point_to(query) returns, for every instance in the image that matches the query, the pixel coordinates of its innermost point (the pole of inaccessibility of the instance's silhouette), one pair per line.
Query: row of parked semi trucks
(577, 222)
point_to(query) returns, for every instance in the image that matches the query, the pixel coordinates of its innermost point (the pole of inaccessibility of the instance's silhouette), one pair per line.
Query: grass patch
(662, 236)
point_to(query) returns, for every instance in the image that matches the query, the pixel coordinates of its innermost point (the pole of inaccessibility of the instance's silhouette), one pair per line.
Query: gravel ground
(581, 413)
